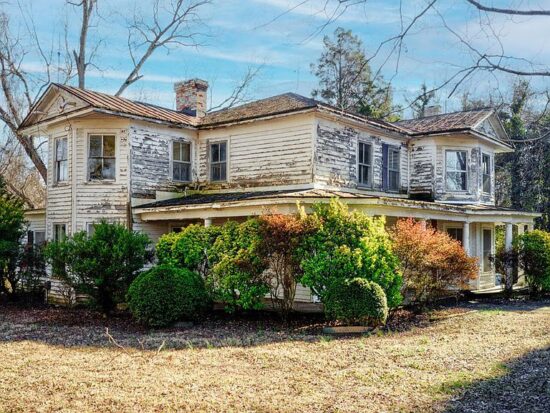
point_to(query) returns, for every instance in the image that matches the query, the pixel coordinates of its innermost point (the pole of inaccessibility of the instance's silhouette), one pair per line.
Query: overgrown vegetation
(101, 265)
(348, 245)
(164, 294)
(433, 263)
(534, 250)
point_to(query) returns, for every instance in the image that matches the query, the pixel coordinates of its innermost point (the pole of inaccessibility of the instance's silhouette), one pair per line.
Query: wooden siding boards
(336, 156)
(266, 153)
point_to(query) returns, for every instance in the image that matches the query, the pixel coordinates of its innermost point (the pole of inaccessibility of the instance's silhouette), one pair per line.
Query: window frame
(211, 163)
(447, 171)
(483, 174)
(369, 183)
(103, 157)
(175, 161)
(396, 150)
(55, 226)
(57, 162)
(448, 227)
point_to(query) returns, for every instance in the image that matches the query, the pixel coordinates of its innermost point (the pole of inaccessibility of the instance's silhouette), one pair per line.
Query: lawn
(472, 358)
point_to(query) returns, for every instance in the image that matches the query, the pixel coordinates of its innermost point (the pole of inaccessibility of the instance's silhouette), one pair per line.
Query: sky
(284, 37)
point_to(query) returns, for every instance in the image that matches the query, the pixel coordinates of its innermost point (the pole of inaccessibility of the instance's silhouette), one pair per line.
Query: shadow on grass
(521, 386)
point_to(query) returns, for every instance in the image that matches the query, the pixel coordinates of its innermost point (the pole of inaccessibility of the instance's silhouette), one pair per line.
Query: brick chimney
(191, 96)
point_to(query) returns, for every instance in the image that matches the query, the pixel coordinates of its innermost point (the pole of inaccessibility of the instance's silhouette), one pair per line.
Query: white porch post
(207, 222)
(466, 237)
(530, 226)
(508, 236)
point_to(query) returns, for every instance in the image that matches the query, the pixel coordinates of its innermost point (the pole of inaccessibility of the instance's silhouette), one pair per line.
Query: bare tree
(240, 94)
(177, 23)
(87, 8)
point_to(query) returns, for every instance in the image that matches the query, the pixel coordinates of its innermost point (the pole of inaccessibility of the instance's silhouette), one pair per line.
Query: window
(456, 234)
(487, 249)
(181, 161)
(90, 228)
(218, 161)
(486, 165)
(101, 158)
(455, 170)
(364, 164)
(39, 237)
(59, 232)
(393, 169)
(60, 164)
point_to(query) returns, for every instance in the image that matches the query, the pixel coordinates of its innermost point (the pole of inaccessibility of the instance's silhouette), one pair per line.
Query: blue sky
(284, 37)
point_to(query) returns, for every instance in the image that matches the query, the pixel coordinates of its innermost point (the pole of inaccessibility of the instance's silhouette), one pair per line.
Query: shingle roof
(129, 107)
(446, 122)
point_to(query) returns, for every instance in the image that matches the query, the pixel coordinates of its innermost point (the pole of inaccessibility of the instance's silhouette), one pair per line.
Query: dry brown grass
(423, 369)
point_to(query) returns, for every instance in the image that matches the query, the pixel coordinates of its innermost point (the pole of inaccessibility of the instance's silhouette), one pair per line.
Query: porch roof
(242, 203)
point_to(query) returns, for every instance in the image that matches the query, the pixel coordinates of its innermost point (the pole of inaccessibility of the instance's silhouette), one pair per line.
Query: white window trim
(460, 191)
(454, 225)
(227, 160)
(491, 173)
(191, 157)
(398, 150)
(368, 185)
(55, 167)
(117, 155)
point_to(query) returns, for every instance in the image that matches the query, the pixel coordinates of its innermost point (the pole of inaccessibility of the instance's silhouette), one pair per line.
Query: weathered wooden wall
(336, 146)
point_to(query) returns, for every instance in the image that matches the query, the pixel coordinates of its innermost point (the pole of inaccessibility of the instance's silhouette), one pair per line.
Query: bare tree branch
(79, 56)
(509, 11)
(174, 29)
(239, 94)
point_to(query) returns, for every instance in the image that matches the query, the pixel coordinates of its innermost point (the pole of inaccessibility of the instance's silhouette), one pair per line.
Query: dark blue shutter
(385, 166)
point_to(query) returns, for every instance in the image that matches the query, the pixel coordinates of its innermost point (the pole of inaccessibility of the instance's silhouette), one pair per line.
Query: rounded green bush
(357, 301)
(164, 294)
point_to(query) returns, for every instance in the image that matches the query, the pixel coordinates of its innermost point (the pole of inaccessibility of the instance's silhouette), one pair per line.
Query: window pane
(455, 160)
(61, 149)
(456, 181)
(364, 175)
(223, 151)
(108, 168)
(393, 160)
(216, 172)
(95, 146)
(176, 151)
(393, 180)
(94, 168)
(223, 171)
(486, 164)
(109, 146)
(215, 152)
(61, 171)
(186, 152)
(39, 237)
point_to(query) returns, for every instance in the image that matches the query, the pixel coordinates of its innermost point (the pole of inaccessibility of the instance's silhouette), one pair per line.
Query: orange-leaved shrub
(281, 236)
(433, 263)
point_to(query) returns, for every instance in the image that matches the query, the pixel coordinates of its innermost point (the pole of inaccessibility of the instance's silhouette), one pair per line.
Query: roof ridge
(487, 108)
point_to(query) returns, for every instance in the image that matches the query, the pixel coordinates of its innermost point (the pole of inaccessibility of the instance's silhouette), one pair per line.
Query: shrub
(101, 265)
(238, 274)
(12, 228)
(348, 245)
(280, 236)
(534, 250)
(164, 294)
(431, 261)
(357, 301)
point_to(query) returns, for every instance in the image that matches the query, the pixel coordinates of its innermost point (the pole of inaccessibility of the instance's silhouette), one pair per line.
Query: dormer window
(60, 165)
(364, 164)
(101, 158)
(486, 167)
(218, 161)
(456, 175)
(181, 161)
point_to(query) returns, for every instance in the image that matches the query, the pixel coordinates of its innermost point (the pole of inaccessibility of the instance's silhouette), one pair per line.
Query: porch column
(207, 222)
(508, 236)
(530, 226)
(466, 237)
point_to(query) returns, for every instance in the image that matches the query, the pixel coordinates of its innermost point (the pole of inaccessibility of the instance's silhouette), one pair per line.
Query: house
(158, 169)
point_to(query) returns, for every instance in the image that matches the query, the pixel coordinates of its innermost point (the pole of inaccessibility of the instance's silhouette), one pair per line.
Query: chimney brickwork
(191, 96)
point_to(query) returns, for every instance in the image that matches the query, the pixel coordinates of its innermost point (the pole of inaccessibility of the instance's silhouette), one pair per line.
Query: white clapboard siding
(422, 171)
(277, 152)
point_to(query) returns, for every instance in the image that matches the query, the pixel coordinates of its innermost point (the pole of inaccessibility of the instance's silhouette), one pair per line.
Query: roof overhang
(395, 207)
(503, 147)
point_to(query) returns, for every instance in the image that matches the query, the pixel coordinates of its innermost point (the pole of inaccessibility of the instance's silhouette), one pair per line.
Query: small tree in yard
(12, 228)
(432, 262)
(101, 265)
(534, 251)
(281, 235)
(348, 245)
